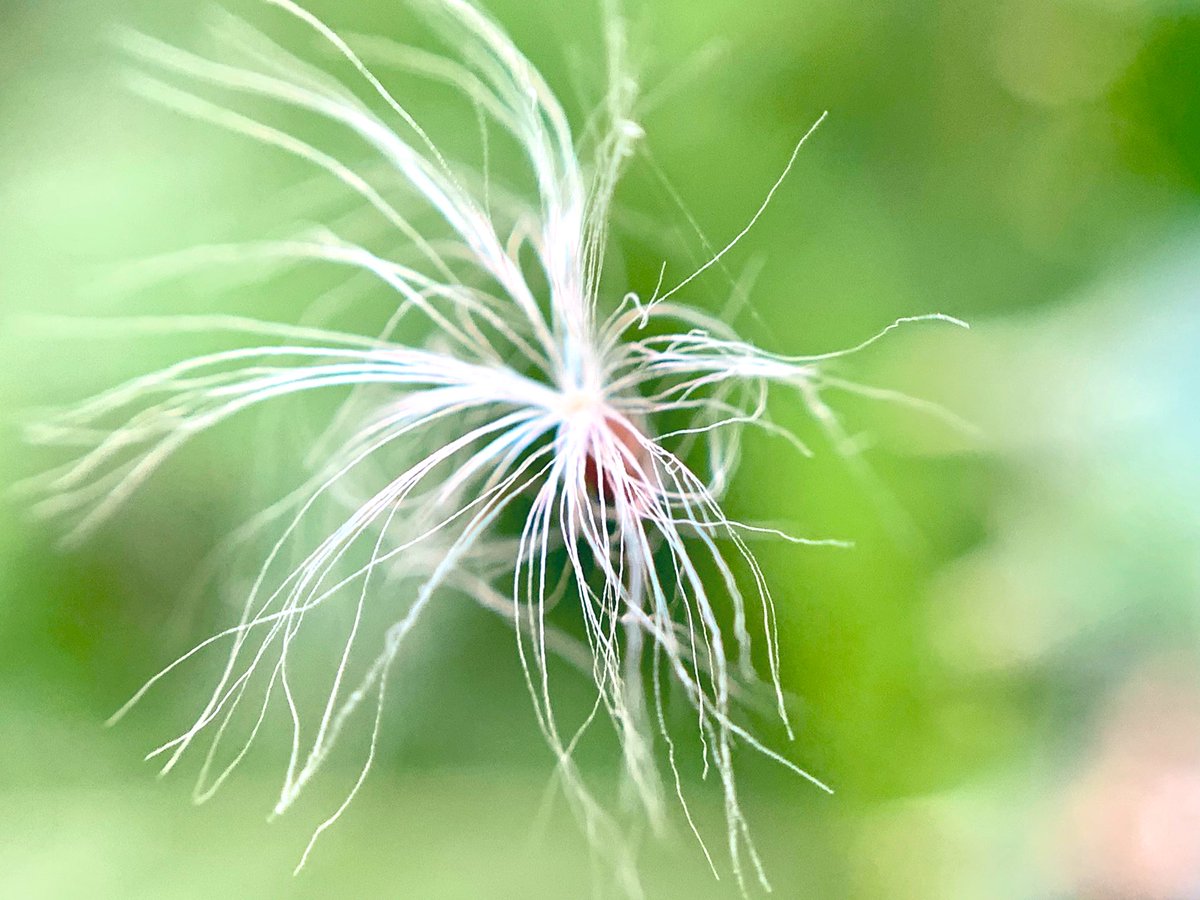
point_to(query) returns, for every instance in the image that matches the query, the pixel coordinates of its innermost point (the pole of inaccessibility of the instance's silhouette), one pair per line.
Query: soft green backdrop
(1031, 166)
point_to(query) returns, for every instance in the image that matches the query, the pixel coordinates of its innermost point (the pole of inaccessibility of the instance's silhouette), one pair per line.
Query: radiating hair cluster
(515, 433)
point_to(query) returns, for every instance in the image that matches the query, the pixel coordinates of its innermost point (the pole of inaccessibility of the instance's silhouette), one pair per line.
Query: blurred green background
(1007, 700)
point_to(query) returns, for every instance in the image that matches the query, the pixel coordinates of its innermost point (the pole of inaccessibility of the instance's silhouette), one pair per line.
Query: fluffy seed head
(502, 383)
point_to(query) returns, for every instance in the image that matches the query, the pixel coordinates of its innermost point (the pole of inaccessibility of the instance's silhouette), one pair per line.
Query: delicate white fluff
(545, 396)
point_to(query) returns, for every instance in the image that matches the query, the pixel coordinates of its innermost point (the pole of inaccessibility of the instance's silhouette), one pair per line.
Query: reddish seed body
(636, 464)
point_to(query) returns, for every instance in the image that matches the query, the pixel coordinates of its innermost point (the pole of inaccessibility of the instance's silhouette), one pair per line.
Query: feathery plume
(607, 428)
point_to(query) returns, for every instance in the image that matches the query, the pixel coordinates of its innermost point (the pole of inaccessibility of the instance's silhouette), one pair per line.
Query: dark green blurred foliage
(1163, 108)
